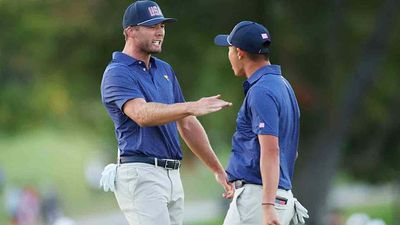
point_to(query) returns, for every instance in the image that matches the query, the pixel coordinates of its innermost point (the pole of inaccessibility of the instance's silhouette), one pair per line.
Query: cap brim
(222, 40)
(156, 21)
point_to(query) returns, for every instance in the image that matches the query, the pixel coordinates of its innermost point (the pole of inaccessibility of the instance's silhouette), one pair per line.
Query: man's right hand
(208, 105)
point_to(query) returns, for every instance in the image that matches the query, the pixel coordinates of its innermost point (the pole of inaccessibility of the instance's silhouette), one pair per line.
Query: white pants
(246, 209)
(149, 195)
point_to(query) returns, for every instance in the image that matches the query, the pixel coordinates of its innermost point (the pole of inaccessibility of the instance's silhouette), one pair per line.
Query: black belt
(169, 164)
(241, 183)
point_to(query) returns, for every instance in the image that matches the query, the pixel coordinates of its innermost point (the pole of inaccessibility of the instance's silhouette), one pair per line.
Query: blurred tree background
(340, 56)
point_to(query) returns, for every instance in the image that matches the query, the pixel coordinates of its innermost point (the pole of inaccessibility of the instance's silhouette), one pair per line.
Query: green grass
(384, 212)
(198, 181)
(54, 158)
(58, 158)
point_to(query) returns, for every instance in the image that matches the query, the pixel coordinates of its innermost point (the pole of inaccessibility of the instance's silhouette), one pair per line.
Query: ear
(130, 31)
(240, 53)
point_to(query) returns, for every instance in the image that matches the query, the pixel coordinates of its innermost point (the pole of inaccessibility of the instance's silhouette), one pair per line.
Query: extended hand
(270, 217)
(208, 105)
(222, 179)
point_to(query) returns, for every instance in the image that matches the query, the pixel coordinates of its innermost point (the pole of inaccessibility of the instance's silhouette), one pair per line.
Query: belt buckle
(175, 164)
(239, 183)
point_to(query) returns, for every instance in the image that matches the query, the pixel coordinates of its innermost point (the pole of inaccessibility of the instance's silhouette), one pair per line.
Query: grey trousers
(246, 209)
(149, 195)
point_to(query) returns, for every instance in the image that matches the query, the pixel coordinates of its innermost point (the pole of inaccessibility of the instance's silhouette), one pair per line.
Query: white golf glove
(299, 213)
(107, 180)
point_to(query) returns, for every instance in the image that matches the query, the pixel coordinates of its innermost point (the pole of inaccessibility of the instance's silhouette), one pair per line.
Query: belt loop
(118, 158)
(155, 162)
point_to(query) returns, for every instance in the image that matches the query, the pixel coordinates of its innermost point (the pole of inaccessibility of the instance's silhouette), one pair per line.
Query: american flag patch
(264, 36)
(281, 201)
(261, 125)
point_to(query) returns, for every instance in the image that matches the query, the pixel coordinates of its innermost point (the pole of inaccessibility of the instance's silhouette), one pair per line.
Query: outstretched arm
(196, 138)
(152, 113)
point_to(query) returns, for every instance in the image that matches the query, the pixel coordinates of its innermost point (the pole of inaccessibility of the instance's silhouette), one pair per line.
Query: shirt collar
(128, 60)
(268, 69)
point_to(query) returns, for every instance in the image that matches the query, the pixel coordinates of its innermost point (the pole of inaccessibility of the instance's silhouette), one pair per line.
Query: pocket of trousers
(281, 203)
(236, 198)
(127, 178)
(133, 180)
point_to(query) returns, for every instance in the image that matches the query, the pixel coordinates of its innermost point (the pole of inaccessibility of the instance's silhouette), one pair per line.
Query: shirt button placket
(140, 63)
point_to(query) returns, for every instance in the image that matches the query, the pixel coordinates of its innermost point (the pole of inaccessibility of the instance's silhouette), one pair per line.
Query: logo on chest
(166, 77)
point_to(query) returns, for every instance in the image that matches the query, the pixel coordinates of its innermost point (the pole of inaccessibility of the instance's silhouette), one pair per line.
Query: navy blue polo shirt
(269, 108)
(126, 78)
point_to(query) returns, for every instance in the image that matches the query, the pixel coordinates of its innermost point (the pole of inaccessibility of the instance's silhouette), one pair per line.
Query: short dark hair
(124, 31)
(256, 57)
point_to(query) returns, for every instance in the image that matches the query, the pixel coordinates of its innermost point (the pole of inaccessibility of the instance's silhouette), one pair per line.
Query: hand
(222, 179)
(208, 105)
(270, 217)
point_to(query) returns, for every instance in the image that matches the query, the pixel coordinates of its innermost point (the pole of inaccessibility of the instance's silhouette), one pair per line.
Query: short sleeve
(264, 112)
(178, 95)
(118, 86)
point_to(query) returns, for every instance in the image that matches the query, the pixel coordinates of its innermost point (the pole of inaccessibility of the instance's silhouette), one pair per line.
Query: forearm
(152, 113)
(269, 167)
(196, 139)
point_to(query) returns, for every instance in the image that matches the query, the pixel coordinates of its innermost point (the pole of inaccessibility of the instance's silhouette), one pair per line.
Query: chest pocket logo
(166, 77)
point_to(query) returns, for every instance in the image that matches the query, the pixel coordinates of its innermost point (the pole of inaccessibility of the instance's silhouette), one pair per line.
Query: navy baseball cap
(248, 36)
(145, 13)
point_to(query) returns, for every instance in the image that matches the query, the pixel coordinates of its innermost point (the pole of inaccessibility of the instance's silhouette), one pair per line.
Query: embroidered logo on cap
(154, 11)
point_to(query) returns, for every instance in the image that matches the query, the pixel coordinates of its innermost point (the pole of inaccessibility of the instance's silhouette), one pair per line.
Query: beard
(150, 48)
